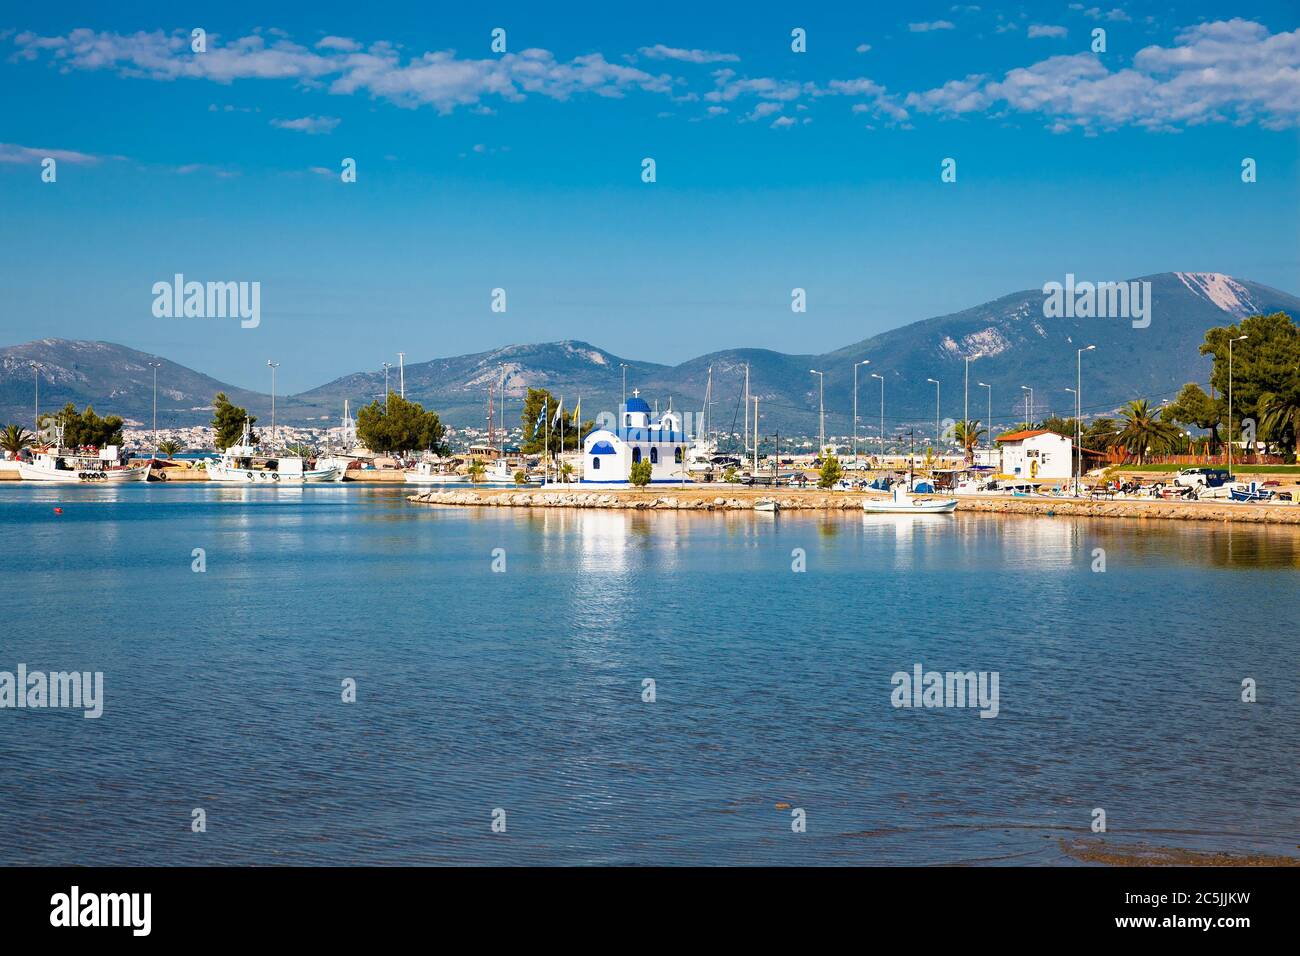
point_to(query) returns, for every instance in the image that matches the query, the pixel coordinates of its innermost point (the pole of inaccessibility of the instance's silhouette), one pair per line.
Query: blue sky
(479, 170)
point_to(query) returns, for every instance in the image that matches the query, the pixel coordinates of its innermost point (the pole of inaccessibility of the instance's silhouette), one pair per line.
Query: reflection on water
(524, 689)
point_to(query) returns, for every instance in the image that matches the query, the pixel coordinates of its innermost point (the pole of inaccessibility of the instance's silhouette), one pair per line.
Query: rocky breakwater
(697, 499)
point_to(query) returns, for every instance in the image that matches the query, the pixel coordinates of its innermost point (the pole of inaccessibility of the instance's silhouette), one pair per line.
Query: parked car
(1202, 477)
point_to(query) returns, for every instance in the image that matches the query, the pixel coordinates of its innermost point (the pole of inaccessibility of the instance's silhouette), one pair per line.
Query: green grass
(1242, 469)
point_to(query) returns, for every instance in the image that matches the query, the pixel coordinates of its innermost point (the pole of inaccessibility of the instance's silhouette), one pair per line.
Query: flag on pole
(558, 411)
(577, 414)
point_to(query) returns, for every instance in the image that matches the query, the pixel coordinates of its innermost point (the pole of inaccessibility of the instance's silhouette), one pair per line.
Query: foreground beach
(734, 498)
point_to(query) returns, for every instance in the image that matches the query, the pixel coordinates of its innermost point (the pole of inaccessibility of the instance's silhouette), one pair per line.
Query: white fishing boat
(766, 505)
(902, 502)
(69, 467)
(245, 464)
(431, 473)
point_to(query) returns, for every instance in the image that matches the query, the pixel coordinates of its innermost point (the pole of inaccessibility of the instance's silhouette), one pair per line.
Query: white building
(608, 454)
(1036, 455)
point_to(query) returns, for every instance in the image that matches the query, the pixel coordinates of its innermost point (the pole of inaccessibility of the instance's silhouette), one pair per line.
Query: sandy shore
(734, 498)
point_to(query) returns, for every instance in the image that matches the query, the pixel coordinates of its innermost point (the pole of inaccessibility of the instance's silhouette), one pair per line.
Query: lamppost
(990, 423)
(36, 377)
(855, 407)
(155, 366)
(936, 410)
(272, 366)
(1078, 412)
(1230, 341)
(401, 373)
(821, 411)
(882, 417)
(1029, 404)
(387, 366)
(623, 366)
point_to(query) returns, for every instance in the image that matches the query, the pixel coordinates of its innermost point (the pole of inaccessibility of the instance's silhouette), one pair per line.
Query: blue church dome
(602, 448)
(635, 404)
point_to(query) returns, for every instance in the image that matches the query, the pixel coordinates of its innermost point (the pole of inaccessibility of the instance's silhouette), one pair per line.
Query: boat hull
(83, 476)
(914, 508)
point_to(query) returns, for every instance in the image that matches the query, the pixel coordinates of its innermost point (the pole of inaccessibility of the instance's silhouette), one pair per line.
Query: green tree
(1059, 426)
(405, 426)
(538, 431)
(1279, 417)
(1194, 408)
(730, 474)
(1100, 434)
(299, 450)
(830, 473)
(476, 470)
(169, 447)
(968, 435)
(1143, 431)
(228, 423)
(87, 428)
(1266, 362)
(640, 474)
(521, 477)
(15, 438)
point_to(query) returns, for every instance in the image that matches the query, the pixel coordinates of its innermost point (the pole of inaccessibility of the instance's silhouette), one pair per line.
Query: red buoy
(58, 511)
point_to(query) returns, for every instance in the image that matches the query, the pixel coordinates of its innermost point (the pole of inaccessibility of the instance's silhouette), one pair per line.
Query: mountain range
(1009, 344)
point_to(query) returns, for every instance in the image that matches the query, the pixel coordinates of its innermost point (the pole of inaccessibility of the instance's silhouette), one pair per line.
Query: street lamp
(990, 423)
(272, 366)
(855, 407)
(36, 377)
(1230, 341)
(1029, 404)
(936, 410)
(387, 366)
(1078, 412)
(155, 366)
(821, 410)
(882, 417)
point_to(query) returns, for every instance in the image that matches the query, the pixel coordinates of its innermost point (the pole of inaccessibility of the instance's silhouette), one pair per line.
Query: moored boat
(902, 502)
(69, 466)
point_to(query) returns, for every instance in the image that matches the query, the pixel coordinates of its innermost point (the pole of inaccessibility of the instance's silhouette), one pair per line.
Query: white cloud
(931, 26)
(346, 44)
(13, 153)
(862, 48)
(1037, 30)
(781, 122)
(1226, 71)
(661, 52)
(439, 79)
(312, 125)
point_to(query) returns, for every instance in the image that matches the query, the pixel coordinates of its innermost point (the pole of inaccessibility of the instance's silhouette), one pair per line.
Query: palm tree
(1279, 414)
(169, 448)
(968, 435)
(476, 470)
(1143, 430)
(15, 438)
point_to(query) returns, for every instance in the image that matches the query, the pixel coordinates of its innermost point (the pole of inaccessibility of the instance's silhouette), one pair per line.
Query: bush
(640, 475)
(830, 472)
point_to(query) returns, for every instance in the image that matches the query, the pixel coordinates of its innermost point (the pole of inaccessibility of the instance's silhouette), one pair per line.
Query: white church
(609, 454)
